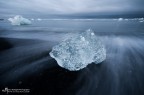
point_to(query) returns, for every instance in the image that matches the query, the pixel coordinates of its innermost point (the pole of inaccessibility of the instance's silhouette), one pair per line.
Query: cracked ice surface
(77, 52)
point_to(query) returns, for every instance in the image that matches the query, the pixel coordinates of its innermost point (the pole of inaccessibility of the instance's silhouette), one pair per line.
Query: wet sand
(25, 63)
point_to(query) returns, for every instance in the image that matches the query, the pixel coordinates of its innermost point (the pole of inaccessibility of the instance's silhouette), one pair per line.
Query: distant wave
(82, 19)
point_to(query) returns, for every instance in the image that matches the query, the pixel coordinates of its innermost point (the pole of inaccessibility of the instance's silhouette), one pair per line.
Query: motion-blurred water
(27, 58)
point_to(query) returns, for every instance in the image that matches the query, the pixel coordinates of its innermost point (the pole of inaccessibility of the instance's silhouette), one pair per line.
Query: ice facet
(19, 20)
(77, 52)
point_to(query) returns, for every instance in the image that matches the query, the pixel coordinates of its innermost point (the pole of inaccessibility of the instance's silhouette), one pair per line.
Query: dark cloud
(69, 6)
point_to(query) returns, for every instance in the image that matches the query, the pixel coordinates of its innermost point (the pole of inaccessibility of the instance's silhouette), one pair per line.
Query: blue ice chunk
(19, 20)
(77, 52)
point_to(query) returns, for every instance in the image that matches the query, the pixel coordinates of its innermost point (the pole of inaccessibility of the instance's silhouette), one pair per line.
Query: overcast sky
(69, 6)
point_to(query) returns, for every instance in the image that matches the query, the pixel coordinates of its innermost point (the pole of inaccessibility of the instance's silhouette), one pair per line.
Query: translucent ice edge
(19, 20)
(77, 52)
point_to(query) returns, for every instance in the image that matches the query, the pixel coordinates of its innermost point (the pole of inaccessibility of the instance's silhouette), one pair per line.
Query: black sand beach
(25, 63)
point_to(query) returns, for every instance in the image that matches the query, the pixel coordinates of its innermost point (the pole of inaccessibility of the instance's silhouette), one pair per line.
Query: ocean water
(25, 60)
